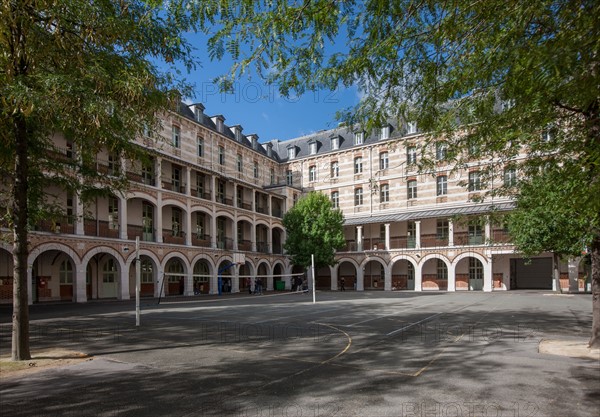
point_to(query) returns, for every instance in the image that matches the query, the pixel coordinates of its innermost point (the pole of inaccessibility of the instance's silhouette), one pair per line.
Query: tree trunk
(20, 318)
(595, 339)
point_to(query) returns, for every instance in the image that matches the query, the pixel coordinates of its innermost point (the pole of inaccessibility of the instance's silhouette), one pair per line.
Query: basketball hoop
(239, 258)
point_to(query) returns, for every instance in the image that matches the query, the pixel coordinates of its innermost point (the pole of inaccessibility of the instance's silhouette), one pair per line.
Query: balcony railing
(173, 237)
(101, 228)
(245, 245)
(179, 188)
(63, 225)
(262, 247)
(225, 243)
(430, 241)
(201, 240)
(467, 239)
(500, 236)
(261, 209)
(145, 234)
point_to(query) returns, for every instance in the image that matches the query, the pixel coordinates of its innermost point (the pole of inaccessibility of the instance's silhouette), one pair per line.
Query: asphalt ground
(365, 354)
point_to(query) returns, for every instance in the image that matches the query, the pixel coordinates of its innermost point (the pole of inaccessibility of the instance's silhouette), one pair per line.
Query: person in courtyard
(258, 286)
(342, 284)
(249, 285)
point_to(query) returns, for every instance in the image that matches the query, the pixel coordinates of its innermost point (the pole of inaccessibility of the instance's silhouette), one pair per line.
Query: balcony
(245, 245)
(262, 247)
(261, 209)
(467, 239)
(173, 237)
(63, 225)
(500, 236)
(200, 240)
(225, 243)
(145, 234)
(244, 205)
(101, 228)
(403, 242)
(178, 188)
(431, 241)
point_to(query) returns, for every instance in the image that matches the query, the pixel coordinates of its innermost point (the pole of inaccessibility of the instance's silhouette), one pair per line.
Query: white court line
(387, 315)
(435, 315)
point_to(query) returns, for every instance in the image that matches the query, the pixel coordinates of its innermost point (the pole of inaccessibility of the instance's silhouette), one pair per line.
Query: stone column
(123, 283)
(158, 224)
(452, 278)
(79, 229)
(487, 275)
(123, 218)
(418, 234)
(360, 279)
(188, 180)
(450, 233)
(359, 236)
(387, 237)
(80, 284)
(419, 277)
(387, 286)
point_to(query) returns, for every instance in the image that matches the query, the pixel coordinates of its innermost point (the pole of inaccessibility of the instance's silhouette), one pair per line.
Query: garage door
(532, 274)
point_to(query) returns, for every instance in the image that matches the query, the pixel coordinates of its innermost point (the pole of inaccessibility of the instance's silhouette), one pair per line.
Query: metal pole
(138, 280)
(312, 270)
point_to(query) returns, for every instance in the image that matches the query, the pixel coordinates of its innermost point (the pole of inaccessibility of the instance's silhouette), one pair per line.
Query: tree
(85, 70)
(313, 226)
(562, 230)
(491, 75)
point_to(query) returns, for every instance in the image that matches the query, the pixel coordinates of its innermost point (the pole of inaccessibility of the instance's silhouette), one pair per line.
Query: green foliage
(552, 215)
(313, 227)
(86, 70)
(487, 77)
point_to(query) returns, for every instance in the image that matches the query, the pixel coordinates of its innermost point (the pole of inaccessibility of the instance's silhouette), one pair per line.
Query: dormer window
(291, 152)
(199, 112)
(411, 128)
(385, 132)
(335, 143)
(359, 138)
(312, 147)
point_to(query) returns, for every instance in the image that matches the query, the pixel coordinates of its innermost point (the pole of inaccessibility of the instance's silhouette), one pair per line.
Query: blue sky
(259, 108)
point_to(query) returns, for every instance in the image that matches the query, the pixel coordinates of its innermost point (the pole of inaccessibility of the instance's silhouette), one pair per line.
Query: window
(113, 213)
(335, 169)
(335, 199)
(200, 222)
(272, 176)
(547, 135)
(240, 163)
(441, 151)
(384, 133)
(442, 270)
(411, 155)
(200, 146)
(474, 148)
(384, 193)
(65, 272)
(441, 185)
(289, 177)
(200, 184)
(221, 192)
(475, 233)
(255, 169)
(474, 181)
(291, 152)
(69, 150)
(358, 197)
(335, 143)
(442, 229)
(176, 178)
(475, 269)
(176, 222)
(148, 172)
(384, 161)
(176, 137)
(510, 177)
(358, 165)
(147, 276)
(312, 173)
(359, 138)
(411, 128)
(312, 147)
(221, 155)
(147, 222)
(70, 209)
(113, 165)
(412, 189)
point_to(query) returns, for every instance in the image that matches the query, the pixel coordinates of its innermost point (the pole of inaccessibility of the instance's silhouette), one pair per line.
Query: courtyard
(364, 354)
